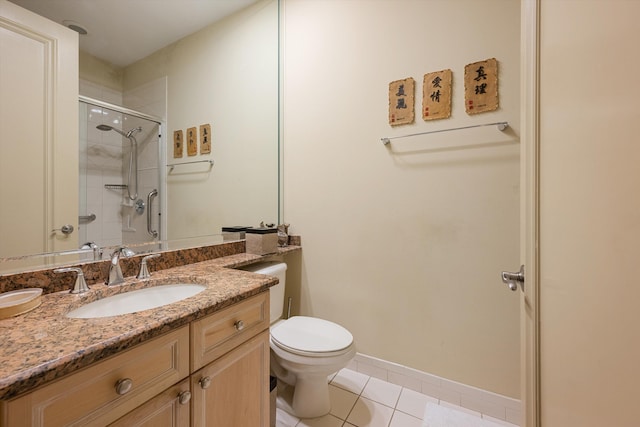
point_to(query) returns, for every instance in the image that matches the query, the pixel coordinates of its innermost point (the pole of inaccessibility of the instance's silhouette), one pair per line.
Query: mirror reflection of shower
(133, 156)
(117, 170)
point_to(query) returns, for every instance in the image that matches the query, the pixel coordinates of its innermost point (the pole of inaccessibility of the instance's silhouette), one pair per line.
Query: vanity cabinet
(231, 350)
(212, 372)
(107, 390)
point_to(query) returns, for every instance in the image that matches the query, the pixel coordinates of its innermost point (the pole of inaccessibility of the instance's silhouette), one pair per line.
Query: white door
(581, 118)
(38, 133)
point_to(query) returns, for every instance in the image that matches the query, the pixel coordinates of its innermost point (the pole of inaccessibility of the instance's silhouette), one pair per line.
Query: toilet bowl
(305, 351)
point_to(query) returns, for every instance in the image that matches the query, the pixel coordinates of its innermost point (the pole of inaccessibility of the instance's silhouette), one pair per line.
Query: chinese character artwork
(177, 144)
(192, 142)
(481, 86)
(205, 139)
(436, 95)
(401, 102)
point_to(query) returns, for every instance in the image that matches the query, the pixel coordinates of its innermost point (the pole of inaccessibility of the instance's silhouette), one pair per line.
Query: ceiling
(124, 31)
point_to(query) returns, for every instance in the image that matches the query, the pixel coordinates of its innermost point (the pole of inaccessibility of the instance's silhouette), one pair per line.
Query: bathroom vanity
(200, 361)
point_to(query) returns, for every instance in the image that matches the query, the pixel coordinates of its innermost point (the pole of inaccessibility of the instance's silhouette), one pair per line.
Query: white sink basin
(133, 301)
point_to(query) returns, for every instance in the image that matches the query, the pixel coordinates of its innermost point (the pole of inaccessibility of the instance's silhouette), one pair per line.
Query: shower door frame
(162, 153)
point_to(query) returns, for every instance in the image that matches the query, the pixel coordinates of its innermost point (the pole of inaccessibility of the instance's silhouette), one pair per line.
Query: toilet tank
(276, 293)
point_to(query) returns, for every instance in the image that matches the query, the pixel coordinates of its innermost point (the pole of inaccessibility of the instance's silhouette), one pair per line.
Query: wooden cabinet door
(38, 133)
(168, 409)
(234, 390)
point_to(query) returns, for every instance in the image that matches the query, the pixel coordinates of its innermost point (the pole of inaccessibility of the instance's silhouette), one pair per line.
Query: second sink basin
(133, 301)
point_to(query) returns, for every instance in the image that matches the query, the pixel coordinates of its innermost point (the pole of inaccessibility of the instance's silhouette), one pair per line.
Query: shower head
(126, 135)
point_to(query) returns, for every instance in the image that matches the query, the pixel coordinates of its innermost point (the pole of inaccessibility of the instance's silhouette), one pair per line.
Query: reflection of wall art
(481, 86)
(178, 144)
(436, 95)
(205, 139)
(401, 101)
(192, 141)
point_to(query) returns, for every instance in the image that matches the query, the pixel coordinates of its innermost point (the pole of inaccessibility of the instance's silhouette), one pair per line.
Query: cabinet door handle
(239, 325)
(124, 386)
(184, 397)
(205, 382)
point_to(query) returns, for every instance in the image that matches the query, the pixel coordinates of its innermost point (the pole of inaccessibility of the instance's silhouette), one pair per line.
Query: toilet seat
(311, 337)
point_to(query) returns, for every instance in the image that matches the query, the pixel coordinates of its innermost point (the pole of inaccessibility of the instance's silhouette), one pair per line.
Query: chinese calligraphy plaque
(205, 139)
(436, 95)
(192, 142)
(178, 141)
(401, 102)
(481, 86)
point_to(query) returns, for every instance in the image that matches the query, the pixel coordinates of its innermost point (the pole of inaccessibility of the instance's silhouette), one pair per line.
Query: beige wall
(224, 75)
(590, 213)
(100, 72)
(404, 245)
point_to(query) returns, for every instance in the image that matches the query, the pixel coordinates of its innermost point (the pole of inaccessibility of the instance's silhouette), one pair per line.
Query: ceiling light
(75, 27)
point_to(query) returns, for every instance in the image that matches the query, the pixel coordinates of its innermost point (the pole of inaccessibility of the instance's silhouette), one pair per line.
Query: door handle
(514, 279)
(65, 229)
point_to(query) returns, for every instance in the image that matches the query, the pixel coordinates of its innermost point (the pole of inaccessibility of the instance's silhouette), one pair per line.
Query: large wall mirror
(223, 74)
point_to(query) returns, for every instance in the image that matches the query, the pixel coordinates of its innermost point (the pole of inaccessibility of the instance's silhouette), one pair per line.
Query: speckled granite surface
(43, 344)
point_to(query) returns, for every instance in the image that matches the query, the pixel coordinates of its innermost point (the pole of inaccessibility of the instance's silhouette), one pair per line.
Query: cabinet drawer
(220, 332)
(90, 396)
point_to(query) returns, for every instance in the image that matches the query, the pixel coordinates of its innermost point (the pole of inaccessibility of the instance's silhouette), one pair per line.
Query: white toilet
(304, 350)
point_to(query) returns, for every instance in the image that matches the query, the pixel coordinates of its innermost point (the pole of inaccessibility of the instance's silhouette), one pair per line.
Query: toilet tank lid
(270, 268)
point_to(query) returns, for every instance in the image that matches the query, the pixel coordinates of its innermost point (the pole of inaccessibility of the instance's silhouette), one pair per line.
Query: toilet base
(307, 399)
(311, 396)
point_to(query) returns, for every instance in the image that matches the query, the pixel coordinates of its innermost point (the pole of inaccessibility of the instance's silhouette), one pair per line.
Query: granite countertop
(44, 344)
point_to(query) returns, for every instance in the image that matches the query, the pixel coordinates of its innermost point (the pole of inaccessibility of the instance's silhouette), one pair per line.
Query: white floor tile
(342, 401)
(382, 392)
(367, 413)
(284, 419)
(498, 421)
(350, 380)
(400, 419)
(326, 421)
(413, 403)
(460, 408)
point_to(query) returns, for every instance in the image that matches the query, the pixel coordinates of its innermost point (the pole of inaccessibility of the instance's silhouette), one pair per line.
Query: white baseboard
(486, 402)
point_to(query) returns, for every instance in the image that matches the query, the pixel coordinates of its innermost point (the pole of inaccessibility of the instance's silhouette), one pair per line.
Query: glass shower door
(120, 198)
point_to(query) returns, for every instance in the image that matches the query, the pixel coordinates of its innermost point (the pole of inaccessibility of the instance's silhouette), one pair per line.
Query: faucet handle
(144, 271)
(80, 285)
(122, 251)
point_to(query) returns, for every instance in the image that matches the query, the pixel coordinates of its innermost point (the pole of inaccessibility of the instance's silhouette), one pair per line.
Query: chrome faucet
(97, 251)
(115, 272)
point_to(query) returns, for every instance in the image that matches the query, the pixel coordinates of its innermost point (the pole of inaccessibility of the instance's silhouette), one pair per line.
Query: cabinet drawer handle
(184, 397)
(239, 325)
(124, 386)
(205, 382)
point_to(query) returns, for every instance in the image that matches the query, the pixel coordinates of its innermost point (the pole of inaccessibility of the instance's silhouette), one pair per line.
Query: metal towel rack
(190, 163)
(501, 126)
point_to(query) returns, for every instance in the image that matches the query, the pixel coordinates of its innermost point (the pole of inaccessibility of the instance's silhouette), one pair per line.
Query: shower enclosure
(121, 190)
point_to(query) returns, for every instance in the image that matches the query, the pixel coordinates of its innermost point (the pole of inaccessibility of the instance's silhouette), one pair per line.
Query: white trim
(529, 236)
(487, 403)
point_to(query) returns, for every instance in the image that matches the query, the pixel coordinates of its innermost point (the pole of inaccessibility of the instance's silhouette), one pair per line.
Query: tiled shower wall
(101, 163)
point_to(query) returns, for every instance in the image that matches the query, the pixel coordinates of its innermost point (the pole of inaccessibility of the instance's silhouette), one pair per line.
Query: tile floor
(358, 400)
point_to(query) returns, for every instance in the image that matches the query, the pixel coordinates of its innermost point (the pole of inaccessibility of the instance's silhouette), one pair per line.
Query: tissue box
(261, 241)
(233, 233)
